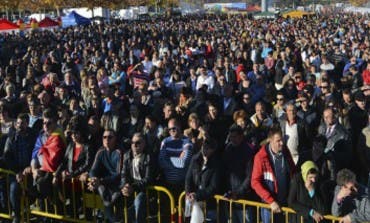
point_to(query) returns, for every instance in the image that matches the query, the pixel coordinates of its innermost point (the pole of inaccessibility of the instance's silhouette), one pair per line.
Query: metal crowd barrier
(171, 200)
(180, 208)
(91, 202)
(66, 209)
(6, 210)
(258, 205)
(245, 203)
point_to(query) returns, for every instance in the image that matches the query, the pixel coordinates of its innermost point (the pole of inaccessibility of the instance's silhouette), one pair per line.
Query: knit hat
(306, 167)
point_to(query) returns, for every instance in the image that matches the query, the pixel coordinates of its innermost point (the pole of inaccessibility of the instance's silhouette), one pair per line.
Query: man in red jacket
(272, 170)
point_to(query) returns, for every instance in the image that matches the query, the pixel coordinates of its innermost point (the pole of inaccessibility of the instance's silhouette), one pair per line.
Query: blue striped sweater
(174, 159)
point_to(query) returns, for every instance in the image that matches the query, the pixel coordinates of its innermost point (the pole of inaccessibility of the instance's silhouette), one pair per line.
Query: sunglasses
(280, 99)
(172, 129)
(136, 143)
(108, 137)
(324, 87)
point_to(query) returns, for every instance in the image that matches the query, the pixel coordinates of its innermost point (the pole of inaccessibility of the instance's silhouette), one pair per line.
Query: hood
(306, 167)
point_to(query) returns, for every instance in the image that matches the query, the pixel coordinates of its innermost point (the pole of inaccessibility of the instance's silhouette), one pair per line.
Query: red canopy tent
(47, 22)
(6, 25)
(253, 8)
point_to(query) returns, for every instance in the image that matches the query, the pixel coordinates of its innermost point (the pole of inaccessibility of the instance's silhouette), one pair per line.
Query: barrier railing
(64, 203)
(245, 203)
(89, 202)
(92, 201)
(171, 200)
(179, 207)
(258, 205)
(6, 212)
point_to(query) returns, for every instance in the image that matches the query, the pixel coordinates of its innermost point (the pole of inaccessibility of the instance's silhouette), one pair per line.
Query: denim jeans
(266, 216)
(237, 215)
(3, 195)
(112, 215)
(137, 209)
(211, 216)
(15, 195)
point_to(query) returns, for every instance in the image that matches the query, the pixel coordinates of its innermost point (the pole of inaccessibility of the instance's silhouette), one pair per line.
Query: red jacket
(366, 77)
(263, 174)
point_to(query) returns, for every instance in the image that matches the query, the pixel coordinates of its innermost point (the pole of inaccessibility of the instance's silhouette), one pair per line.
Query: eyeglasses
(108, 137)
(280, 99)
(136, 143)
(323, 87)
(172, 129)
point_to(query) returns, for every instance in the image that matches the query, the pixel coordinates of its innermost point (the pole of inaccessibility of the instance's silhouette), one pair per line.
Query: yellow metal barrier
(171, 199)
(179, 207)
(8, 213)
(260, 205)
(92, 201)
(51, 211)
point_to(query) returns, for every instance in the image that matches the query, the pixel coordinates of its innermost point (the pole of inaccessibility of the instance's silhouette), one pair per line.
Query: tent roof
(296, 14)
(6, 25)
(80, 20)
(253, 8)
(47, 22)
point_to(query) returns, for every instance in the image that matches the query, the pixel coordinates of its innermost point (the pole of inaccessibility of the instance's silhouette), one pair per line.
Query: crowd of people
(266, 110)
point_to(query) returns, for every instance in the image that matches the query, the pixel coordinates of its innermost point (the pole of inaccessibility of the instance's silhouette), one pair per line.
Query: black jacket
(107, 166)
(146, 169)
(238, 165)
(300, 200)
(10, 158)
(205, 183)
(82, 164)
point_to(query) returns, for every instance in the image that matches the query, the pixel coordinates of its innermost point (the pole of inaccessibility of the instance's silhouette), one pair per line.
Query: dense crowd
(266, 110)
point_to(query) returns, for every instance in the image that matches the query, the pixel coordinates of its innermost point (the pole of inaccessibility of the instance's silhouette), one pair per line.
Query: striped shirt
(174, 159)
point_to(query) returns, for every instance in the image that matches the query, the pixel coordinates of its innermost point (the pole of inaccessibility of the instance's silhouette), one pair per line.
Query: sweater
(107, 166)
(174, 159)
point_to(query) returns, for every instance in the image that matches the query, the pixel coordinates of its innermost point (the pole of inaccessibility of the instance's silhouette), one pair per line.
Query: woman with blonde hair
(103, 80)
(195, 132)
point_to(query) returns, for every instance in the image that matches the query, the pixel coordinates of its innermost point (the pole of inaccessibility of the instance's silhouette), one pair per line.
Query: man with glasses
(137, 173)
(351, 200)
(326, 95)
(105, 176)
(247, 104)
(279, 107)
(308, 113)
(174, 157)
